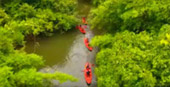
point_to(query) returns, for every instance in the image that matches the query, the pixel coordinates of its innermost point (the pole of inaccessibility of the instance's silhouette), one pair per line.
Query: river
(67, 52)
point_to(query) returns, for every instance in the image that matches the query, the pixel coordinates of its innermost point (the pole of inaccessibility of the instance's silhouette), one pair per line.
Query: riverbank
(20, 18)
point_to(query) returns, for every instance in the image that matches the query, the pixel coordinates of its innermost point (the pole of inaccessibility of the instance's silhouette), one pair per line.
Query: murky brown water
(53, 49)
(66, 52)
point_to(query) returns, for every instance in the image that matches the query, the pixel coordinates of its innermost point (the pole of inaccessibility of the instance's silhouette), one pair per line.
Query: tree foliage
(97, 2)
(132, 60)
(137, 53)
(40, 16)
(133, 15)
(19, 18)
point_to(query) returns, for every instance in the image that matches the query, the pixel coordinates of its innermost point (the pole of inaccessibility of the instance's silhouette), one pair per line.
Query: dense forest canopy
(133, 15)
(21, 18)
(135, 50)
(38, 16)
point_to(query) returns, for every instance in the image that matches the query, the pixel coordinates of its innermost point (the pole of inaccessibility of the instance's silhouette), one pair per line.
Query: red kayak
(88, 73)
(81, 29)
(86, 42)
(84, 20)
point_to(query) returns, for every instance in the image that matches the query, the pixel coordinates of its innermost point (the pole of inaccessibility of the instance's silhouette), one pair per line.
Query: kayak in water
(86, 42)
(84, 20)
(88, 73)
(82, 30)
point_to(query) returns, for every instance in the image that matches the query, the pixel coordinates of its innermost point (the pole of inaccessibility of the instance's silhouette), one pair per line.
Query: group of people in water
(82, 30)
(87, 71)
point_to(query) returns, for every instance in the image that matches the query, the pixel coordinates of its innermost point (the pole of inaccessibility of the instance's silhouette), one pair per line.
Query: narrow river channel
(67, 52)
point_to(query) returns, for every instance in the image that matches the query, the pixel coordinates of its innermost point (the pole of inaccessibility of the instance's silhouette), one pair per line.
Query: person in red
(84, 20)
(88, 70)
(88, 73)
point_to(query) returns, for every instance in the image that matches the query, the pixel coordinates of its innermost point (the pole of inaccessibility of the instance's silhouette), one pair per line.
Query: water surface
(53, 49)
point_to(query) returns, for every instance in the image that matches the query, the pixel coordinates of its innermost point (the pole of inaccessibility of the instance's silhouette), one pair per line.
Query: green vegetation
(133, 15)
(135, 51)
(38, 16)
(21, 18)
